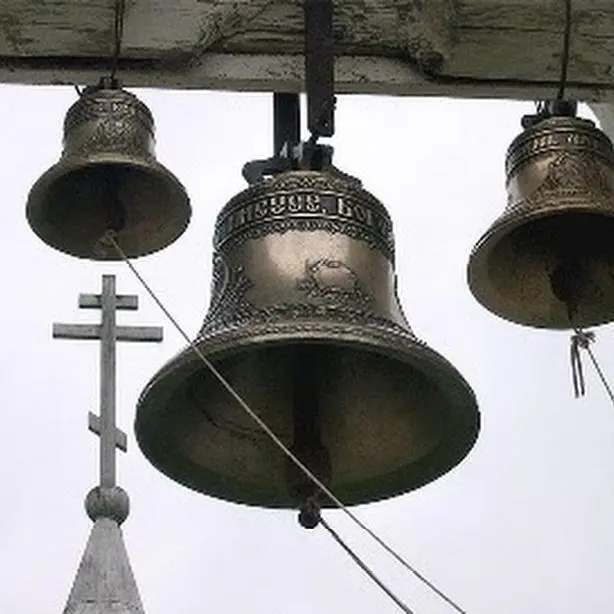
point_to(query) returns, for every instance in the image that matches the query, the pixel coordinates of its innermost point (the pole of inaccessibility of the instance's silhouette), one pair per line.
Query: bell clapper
(117, 211)
(570, 284)
(307, 444)
(116, 219)
(309, 515)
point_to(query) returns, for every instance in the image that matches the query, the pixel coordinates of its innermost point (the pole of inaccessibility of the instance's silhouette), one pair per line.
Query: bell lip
(67, 164)
(462, 406)
(477, 269)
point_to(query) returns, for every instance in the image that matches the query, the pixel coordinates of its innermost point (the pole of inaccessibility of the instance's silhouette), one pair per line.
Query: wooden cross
(108, 333)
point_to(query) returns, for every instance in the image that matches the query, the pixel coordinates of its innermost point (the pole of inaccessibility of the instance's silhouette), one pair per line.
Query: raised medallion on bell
(548, 261)
(305, 324)
(108, 179)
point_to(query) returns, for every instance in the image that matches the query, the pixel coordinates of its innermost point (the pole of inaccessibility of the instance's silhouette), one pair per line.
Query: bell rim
(458, 399)
(477, 274)
(65, 165)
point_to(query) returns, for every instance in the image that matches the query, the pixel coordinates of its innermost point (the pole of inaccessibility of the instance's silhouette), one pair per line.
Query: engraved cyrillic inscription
(551, 136)
(373, 225)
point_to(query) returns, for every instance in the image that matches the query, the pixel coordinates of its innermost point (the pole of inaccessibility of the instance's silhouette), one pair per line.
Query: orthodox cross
(108, 333)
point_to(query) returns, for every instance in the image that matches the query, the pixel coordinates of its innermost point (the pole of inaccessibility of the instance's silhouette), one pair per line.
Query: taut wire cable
(110, 237)
(365, 568)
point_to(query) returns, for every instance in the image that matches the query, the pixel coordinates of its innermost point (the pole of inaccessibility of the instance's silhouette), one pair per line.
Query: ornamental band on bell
(306, 204)
(329, 284)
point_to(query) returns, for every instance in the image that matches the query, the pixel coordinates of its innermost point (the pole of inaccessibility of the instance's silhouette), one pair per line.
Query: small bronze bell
(305, 324)
(108, 179)
(548, 261)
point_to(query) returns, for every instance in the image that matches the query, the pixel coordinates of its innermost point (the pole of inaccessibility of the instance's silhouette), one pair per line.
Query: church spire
(104, 583)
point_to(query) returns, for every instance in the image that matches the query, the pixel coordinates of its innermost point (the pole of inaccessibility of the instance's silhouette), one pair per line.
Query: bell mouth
(516, 267)
(74, 204)
(393, 414)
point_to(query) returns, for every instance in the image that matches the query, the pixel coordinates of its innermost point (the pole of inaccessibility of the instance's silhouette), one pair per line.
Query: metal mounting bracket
(289, 151)
(550, 108)
(319, 67)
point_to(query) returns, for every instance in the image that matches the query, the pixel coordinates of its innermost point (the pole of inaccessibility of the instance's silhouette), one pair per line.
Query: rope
(110, 237)
(365, 568)
(118, 35)
(565, 52)
(582, 340)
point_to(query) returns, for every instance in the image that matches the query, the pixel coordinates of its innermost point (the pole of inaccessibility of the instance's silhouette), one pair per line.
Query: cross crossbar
(122, 301)
(94, 331)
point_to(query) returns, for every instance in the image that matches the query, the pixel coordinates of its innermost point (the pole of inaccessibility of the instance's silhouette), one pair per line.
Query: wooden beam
(495, 48)
(253, 73)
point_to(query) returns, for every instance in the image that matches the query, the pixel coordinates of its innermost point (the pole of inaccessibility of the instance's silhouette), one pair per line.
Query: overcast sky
(524, 524)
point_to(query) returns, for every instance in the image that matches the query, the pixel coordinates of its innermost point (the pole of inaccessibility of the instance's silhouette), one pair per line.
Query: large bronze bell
(305, 324)
(548, 261)
(108, 179)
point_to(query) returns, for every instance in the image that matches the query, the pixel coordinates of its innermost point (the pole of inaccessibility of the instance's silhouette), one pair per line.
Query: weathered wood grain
(153, 28)
(488, 47)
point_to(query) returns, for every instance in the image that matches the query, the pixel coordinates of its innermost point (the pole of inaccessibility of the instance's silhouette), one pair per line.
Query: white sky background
(524, 524)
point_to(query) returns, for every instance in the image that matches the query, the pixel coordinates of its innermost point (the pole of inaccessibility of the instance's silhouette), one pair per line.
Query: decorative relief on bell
(334, 283)
(568, 177)
(108, 120)
(228, 304)
(327, 288)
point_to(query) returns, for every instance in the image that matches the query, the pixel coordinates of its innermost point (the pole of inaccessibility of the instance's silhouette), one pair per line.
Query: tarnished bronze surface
(305, 324)
(108, 178)
(550, 256)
